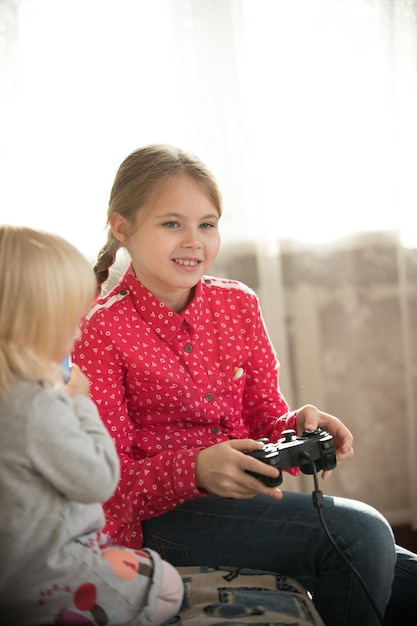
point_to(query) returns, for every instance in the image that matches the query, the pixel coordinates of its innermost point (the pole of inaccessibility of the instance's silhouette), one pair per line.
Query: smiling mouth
(188, 262)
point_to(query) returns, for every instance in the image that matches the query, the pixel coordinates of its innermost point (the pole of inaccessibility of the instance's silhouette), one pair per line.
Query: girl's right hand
(220, 469)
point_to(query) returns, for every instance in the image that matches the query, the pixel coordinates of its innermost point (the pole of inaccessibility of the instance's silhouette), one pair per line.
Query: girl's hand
(310, 418)
(220, 469)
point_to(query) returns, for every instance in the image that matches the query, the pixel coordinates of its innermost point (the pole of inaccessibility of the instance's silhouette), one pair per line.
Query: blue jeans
(402, 607)
(286, 537)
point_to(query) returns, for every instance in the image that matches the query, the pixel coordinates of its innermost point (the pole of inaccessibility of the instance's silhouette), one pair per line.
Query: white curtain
(305, 111)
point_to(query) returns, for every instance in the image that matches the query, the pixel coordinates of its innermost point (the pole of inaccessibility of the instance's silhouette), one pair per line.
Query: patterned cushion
(233, 597)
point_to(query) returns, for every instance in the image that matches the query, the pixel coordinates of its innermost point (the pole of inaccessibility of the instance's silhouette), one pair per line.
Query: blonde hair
(46, 285)
(138, 179)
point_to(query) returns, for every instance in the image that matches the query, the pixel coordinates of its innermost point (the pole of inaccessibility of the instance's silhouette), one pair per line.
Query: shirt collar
(164, 321)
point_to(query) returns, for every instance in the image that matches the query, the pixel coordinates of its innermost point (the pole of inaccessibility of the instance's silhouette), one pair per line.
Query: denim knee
(365, 534)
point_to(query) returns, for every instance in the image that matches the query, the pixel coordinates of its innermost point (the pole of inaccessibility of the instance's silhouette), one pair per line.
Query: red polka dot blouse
(168, 384)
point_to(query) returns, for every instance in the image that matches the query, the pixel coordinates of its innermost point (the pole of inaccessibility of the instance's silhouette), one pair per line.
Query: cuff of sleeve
(184, 474)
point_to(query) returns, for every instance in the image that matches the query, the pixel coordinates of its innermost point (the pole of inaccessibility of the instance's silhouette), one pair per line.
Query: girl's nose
(191, 239)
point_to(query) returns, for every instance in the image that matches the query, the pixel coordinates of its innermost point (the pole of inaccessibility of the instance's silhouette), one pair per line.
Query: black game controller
(291, 451)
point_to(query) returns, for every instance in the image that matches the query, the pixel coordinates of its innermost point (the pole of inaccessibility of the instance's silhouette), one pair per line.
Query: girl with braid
(186, 380)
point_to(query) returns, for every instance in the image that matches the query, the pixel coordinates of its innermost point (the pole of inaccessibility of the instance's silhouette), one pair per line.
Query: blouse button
(188, 347)
(123, 292)
(209, 397)
(214, 430)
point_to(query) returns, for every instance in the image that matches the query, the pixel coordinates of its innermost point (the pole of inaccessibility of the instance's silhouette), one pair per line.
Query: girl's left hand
(310, 418)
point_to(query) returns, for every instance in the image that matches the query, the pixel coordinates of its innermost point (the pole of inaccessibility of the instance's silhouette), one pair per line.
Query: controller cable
(318, 502)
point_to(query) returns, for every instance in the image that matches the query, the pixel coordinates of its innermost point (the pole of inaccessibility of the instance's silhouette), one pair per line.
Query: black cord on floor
(318, 502)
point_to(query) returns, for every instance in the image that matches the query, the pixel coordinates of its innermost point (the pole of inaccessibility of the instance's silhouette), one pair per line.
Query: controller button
(288, 435)
(311, 433)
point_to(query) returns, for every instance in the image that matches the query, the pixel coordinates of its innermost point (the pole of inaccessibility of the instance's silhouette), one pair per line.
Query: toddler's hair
(46, 285)
(136, 184)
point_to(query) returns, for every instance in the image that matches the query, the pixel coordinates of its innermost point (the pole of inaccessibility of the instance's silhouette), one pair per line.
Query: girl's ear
(119, 226)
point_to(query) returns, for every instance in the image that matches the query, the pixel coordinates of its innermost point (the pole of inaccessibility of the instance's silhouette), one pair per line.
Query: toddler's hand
(78, 384)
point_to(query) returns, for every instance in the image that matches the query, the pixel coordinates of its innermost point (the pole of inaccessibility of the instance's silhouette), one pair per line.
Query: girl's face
(175, 242)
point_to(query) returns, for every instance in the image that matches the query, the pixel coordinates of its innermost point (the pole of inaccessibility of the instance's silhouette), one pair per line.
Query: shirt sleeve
(263, 404)
(69, 446)
(148, 486)
(264, 408)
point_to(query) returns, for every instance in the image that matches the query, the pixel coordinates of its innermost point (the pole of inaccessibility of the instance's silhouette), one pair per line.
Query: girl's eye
(206, 226)
(170, 224)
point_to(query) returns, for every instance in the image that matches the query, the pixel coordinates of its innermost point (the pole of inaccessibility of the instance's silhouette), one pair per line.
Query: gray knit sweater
(57, 464)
